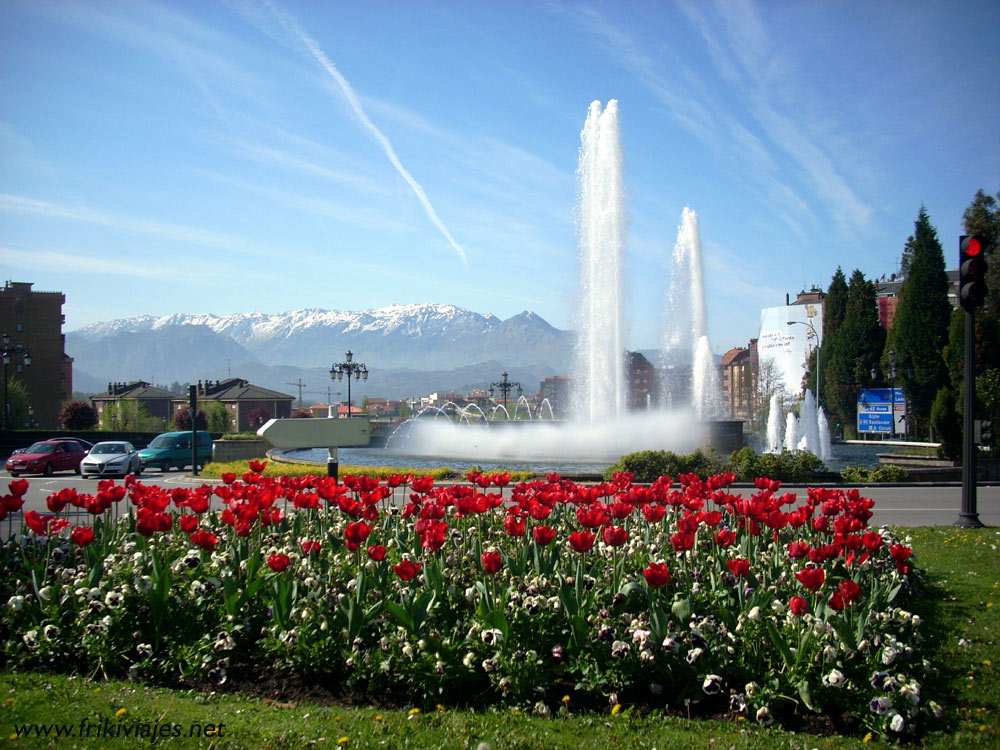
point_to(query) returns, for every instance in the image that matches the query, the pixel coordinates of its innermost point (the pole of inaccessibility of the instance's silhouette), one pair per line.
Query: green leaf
(401, 615)
(804, 694)
(779, 643)
(681, 609)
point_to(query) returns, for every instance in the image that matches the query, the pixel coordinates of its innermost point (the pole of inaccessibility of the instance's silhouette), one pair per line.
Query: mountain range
(408, 349)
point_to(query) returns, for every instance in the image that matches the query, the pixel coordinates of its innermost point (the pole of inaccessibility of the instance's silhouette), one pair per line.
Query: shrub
(182, 419)
(881, 473)
(647, 466)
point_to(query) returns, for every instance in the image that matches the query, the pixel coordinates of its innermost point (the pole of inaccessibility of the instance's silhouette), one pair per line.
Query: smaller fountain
(810, 431)
(791, 432)
(774, 425)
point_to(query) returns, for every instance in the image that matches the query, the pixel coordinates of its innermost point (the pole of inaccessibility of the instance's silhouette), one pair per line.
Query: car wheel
(77, 469)
(164, 466)
(14, 474)
(138, 469)
(48, 470)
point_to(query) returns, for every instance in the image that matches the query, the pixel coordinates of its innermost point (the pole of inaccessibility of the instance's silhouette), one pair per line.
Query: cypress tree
(922, 319)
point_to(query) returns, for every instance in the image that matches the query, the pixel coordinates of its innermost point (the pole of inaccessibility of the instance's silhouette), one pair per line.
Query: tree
(922, 319)
(947, 423)
(17, 403)
(301, 413)
(257, 417)
(128, 415)
(769, 382)
(852, 349)
(78, 415)
(182, 419)
(218, 417)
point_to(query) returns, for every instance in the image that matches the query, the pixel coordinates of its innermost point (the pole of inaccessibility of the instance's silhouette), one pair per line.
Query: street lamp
(350, 367)
(814, 336)
(10, 351)
(505, 386)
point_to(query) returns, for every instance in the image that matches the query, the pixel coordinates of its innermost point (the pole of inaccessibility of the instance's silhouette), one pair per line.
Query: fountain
(600, 346)
(600, 428)
(810, 431)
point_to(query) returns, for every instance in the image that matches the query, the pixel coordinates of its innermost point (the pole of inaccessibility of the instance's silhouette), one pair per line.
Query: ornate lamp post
(349, 368)
(505, 386)
(10, 351)
(815, 336)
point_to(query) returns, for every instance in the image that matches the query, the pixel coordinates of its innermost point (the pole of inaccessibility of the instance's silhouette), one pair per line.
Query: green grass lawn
(959, 607)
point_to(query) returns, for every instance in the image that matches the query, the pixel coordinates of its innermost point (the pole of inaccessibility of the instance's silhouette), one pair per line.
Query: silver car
(111, 458)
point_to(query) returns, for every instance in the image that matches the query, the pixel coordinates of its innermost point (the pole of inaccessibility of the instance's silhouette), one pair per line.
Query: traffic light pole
(969, 517)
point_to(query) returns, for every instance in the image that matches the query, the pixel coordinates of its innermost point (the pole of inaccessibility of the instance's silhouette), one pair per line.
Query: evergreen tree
(982, 217)
(834, 309)
(921, 326)
(856, 346)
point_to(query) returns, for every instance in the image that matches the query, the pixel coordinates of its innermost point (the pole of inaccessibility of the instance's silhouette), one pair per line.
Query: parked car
(86, 445)
(111, 458)
(174, 449)
(46, 457)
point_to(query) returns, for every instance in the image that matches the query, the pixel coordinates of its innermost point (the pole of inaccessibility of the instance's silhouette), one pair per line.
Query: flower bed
(541, 594)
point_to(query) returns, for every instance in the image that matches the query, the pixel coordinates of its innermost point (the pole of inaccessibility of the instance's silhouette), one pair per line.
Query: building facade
(246, 404)
(154, 402)
(35, 320)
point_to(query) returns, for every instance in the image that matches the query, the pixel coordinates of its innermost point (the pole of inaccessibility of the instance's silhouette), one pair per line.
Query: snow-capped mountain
(415, 337)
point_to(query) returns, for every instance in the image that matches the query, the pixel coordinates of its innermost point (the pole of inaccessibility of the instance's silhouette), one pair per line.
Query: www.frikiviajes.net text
(111, 728)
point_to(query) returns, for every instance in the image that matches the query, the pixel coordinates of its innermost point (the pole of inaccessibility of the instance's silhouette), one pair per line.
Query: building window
(20, 327)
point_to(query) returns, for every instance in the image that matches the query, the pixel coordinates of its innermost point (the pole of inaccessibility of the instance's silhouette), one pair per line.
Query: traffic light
(985, 432)
(972, 270)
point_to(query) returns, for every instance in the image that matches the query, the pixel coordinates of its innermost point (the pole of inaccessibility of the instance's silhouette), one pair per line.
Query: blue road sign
(876, 407)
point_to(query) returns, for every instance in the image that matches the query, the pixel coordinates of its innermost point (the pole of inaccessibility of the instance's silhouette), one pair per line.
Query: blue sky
(270, 156)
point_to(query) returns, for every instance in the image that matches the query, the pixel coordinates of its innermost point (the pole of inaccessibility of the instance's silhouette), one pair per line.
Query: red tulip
(82, 535)
(543, 535)
(798, 549)
(309, 547)
(653, 513)
(257, 467)
(739, 567)
(837, 601)
(356, 533)
(377, 552)
(581, 541)
(492, 562)
(592, 516)
(681, 541)
(228, 477)
(18, 487)
(407, 570)
(657, 574)
(798, 606)
(187, 523)
(513, 525)
(811, 578)
(614, 536)
(850, 589)
(204, 539)
(725, 537)
(278, 562)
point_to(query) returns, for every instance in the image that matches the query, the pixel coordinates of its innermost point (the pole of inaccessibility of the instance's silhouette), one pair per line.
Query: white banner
(786, 337)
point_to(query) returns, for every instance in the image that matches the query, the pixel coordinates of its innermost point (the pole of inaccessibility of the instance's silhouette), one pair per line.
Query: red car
(46, 457)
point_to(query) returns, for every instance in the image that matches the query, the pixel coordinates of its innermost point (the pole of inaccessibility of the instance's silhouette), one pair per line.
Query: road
(908, 505)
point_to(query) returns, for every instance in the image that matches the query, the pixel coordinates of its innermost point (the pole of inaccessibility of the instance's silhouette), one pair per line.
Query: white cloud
(33, 260)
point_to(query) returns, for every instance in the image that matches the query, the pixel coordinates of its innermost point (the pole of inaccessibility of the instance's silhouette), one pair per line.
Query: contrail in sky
(313, 49)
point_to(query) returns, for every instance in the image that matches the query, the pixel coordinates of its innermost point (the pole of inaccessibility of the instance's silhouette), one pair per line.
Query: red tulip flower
(257, 467)
(356, 533)
(614, 536)
(492, 562)
(811, 578)
(204, 539)
(837, 601)
(377, 552)
(187, 523)
(513, 525)
(581, 541)
(82, 535)
(739, 567)
(278, 562)
(798, 549)
(407, 570)
(18, 487)
(653, 513)
(592, 516)
(309, 547)
(543, 535)
(850, 589)
(798, 606)
(725, 538)
(657, 574)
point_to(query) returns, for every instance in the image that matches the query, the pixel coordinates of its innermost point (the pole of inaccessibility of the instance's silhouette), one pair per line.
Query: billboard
(882, 410)
(786, 338)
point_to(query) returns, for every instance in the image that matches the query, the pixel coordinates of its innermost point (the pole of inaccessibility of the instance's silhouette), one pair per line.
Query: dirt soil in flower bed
(286, 688)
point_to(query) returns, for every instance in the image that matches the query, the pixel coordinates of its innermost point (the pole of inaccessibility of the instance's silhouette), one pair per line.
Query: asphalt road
(907, 505)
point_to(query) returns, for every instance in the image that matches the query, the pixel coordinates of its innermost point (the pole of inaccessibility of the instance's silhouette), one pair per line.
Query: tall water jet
(705, 382)
(685, 325)
(823, 424)
(791, 432)
(774, 419)
(601, 226)
(808, 424)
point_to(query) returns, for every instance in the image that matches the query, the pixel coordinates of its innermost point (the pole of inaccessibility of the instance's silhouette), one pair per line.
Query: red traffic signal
(971, 270)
